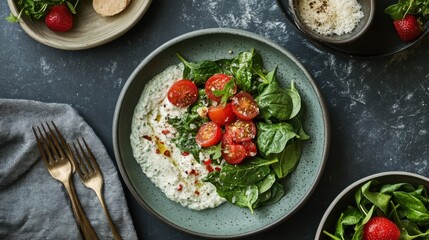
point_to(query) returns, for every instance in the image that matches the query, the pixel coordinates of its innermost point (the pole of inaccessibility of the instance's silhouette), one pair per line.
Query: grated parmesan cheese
(330, 17)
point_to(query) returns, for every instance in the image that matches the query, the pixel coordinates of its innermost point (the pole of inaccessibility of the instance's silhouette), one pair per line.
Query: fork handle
(83, 222)
(115, 232)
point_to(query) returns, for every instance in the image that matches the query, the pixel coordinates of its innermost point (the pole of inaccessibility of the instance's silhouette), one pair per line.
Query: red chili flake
(217, 169)
(162, 143)
(147, 137)
(196, 182)
(185, 154)
(194, 172)
(165, 132)
(209, 168)
(180, 187)
(207, 162)
(167, 153)
(197, 192)
(157, 151)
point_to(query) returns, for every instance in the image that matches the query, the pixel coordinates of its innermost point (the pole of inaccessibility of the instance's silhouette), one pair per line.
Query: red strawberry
(59, 18)
(408, 28)
(380, 228)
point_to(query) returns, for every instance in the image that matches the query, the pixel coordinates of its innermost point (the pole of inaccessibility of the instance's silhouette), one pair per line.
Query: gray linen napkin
(32, 204)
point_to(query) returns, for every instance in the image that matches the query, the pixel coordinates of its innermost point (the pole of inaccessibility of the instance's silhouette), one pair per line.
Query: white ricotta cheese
(178, 175)
(329, 17)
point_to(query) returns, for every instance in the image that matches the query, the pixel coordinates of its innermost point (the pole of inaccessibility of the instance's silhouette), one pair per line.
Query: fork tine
(66, 146)
(60, 136)
(40, 146)
(88, 163)
(91, 156)
(78, 161)
(46, 145)
(54, 140)
(49, 146)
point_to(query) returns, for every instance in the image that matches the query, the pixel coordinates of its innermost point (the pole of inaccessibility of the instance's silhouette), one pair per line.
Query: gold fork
(91, 176)
(61, 169)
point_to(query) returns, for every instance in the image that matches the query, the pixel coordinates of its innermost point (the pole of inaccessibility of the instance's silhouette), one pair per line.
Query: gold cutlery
(90, 174)
(60, 167)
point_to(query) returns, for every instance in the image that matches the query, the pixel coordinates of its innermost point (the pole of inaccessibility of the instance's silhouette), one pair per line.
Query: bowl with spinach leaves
(227, 220)
(399, 196)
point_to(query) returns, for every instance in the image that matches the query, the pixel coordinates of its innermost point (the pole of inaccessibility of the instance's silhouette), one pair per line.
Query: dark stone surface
(378, 106)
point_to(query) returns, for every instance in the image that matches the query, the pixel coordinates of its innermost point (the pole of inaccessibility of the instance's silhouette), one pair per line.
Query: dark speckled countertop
(378, 106)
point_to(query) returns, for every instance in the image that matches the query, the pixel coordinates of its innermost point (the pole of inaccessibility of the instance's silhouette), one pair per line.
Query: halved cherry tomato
(217, 82)
(234, 153)
(209, 134)
(251, 149)
(227, 139)
(221, 115)
(244, 106)
(183, 93)
(241, 131)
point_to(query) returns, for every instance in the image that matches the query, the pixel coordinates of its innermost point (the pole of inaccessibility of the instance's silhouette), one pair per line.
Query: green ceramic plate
(227, 220)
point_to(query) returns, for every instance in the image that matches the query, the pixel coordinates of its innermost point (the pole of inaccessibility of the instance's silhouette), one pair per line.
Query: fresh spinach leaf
(359, 227)
(411, 230)
(199, 72)
(272, 138)
(263, 197)
(241, 196)
(225, 65)
(381, 200)
(266, 183)
(274, 102)
(404, 7)
(271, 195)
(248, 173)
(269, 78)
(265, 189)
(296, 100)
(415, 210)
(288, 159)
(296, 123)
(350, 217)
(276, 193)
(241, 67)
(258, 66)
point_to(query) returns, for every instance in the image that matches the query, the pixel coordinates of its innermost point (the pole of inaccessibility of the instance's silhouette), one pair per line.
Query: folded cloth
(32, 204)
